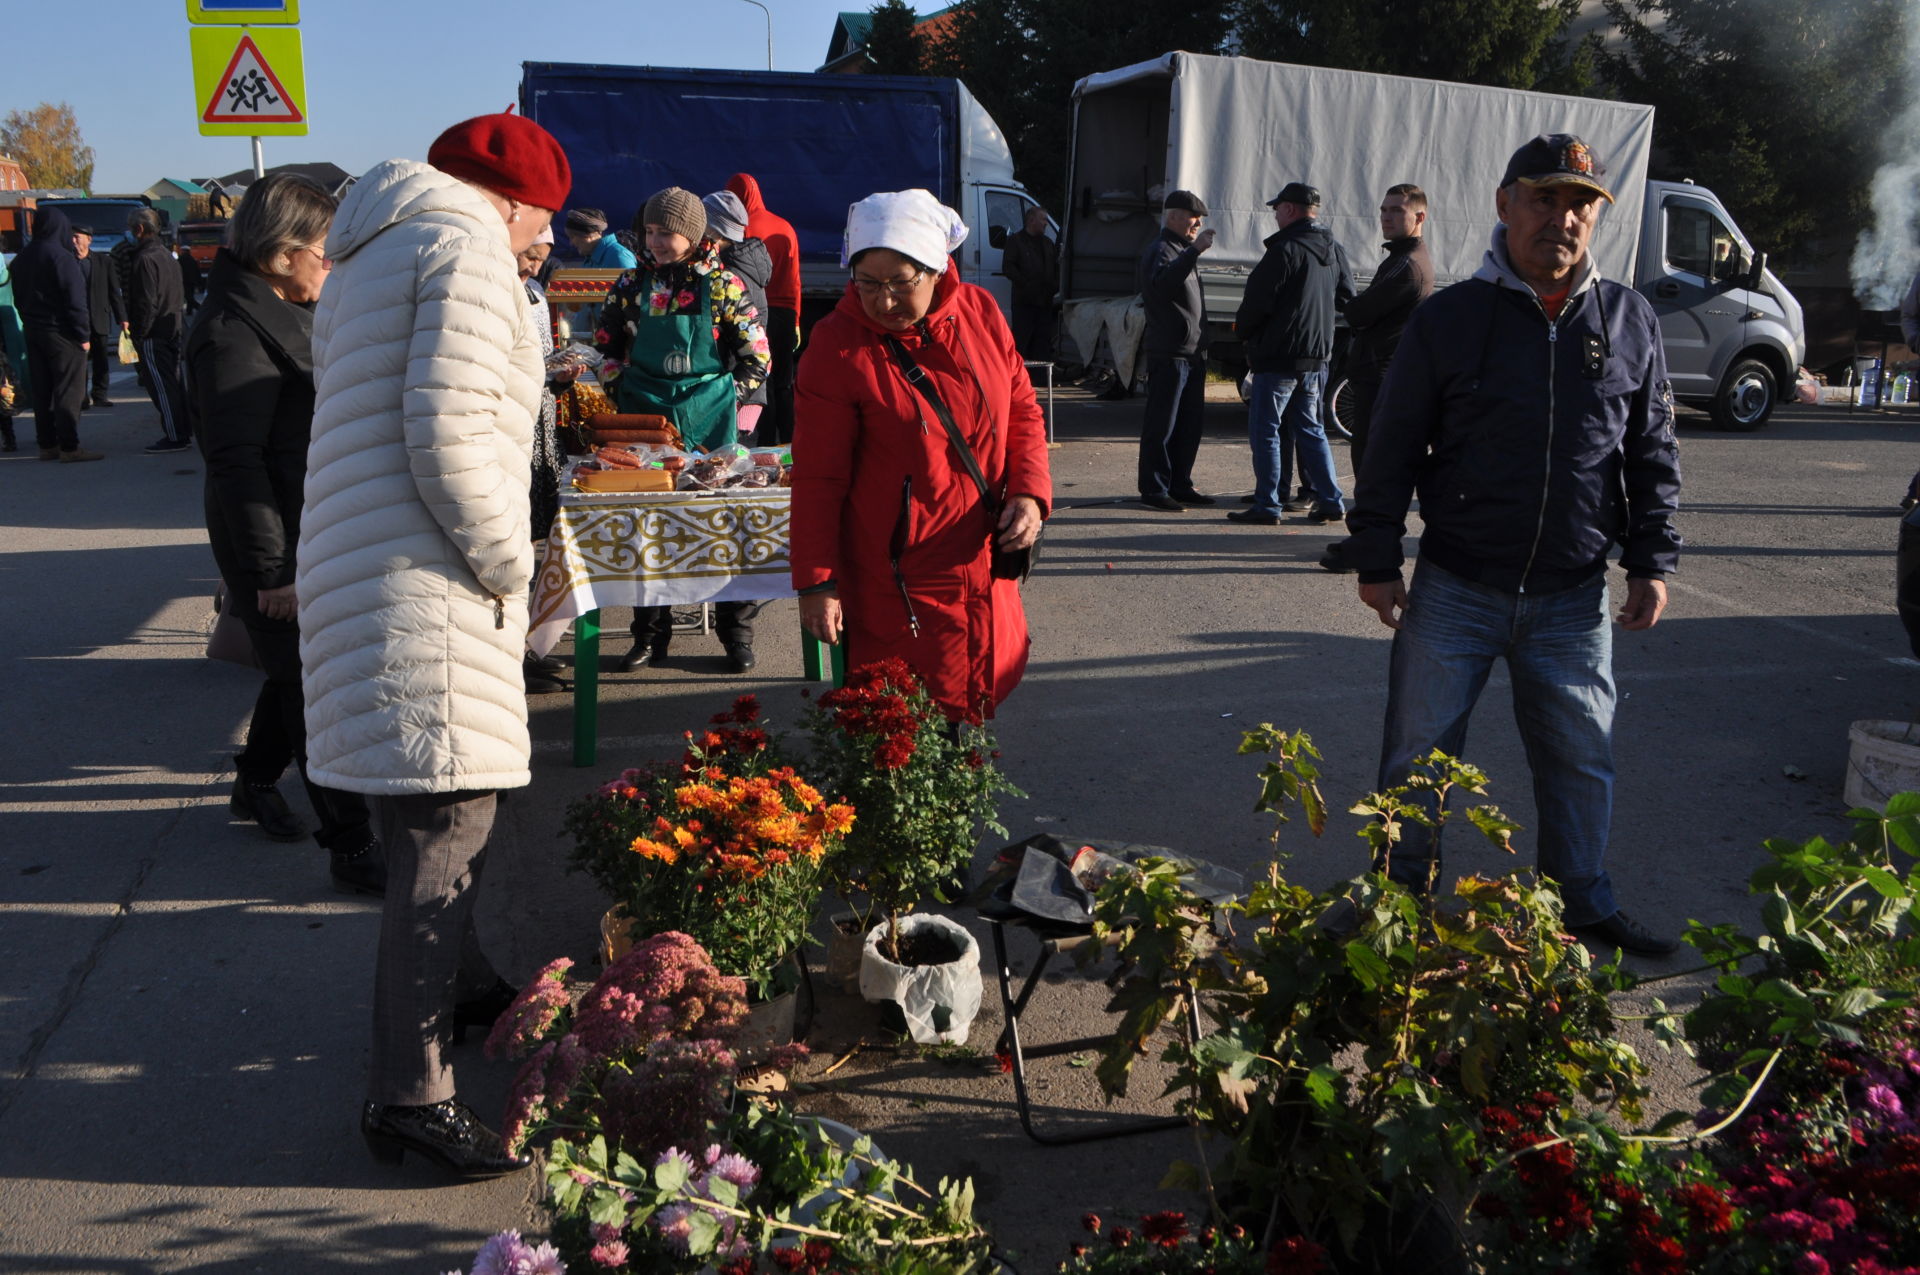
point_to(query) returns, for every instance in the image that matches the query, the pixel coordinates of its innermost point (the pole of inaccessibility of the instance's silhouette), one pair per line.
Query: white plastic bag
(939, 1002)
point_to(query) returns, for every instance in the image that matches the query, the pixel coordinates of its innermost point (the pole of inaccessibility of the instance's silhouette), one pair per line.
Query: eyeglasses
(326, 262)
(895, 288)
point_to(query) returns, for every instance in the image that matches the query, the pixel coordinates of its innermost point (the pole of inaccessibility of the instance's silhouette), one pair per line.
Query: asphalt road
(184, 1010)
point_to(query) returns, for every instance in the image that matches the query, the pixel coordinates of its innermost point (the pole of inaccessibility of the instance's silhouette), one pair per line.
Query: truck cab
(1733, 334)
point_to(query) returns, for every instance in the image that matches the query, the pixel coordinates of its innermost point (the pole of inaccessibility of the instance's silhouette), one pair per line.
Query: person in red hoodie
(783, 302)
(892, 538)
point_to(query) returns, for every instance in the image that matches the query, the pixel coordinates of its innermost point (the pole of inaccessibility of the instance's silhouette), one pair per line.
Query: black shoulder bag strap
(918, 378)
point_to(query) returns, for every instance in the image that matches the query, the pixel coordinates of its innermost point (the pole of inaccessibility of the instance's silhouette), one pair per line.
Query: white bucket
(938, 1001)
(1884, 759)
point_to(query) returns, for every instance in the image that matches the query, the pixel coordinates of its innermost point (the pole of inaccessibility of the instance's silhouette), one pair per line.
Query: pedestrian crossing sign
(248, 83)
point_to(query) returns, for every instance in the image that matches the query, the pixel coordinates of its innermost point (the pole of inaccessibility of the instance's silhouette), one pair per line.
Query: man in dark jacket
(50, 292)
(106, 313)
(1403, 281)
(156, 319)
(1530, 409)
(1286, 324)
(1175, 346)
(1031, 262)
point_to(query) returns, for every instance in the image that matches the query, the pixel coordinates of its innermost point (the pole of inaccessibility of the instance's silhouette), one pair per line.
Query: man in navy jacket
(1529, 408)
(50, 291)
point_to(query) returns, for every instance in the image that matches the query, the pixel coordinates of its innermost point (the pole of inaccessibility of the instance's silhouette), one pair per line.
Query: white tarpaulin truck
(1235, 130)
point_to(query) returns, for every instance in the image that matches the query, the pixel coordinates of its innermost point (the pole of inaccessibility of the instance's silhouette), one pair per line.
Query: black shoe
(1296, 505)
(741, 654)
(1335, 559)
(1622, 931)
(1167, 503)
(166, 446)
(7, 441)
(447, 1133)
(483, 1009)
(1324, 515)
(100, 400)
(359, 871)
(1257, 517)
(1191, 497)
(539, 681)
(547, 663)
(642, 654)
(263, 804)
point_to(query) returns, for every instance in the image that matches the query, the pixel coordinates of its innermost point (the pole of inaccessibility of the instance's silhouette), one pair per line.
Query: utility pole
(763, 8)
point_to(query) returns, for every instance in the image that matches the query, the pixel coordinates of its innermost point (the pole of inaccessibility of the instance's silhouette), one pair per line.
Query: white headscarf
(546, 236)
(910, 222)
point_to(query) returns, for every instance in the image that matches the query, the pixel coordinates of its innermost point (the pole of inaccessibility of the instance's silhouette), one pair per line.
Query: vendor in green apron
(683, 342)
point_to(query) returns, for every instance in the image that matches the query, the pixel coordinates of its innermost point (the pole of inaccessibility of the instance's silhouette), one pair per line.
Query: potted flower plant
(924, 788)
(655, 1162)
(727, 845)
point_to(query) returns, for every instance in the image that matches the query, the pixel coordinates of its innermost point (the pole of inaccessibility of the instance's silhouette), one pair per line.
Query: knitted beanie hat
(679, 210)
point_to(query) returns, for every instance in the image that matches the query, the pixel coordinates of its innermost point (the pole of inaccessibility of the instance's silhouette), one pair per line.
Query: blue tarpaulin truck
(816, 143)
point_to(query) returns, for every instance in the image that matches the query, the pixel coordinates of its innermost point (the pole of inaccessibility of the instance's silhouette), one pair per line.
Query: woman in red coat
(892, 539)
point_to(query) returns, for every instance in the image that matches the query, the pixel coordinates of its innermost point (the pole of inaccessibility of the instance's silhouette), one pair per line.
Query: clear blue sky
(383, 76)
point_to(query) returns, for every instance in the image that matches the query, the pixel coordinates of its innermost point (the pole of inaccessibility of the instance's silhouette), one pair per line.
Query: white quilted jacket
(414, 554)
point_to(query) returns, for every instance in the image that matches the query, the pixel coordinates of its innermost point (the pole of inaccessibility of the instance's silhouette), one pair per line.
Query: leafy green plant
(1351, 1037)
(921, 788)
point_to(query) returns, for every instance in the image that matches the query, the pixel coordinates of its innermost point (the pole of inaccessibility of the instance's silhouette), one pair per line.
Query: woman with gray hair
(249, 360)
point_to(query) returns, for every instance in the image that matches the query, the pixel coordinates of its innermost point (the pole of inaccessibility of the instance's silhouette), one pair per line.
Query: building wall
(12, 176)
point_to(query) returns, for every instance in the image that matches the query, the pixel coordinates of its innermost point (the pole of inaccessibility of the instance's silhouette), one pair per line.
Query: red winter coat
(783, 290)
(860, 430)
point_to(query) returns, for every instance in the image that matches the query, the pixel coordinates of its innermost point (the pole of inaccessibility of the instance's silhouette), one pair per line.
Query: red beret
(506, 153)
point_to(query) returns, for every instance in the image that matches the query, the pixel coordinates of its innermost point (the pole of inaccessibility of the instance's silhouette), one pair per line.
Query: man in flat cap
(1176, 348)
(1286, 324)
(1529, 408)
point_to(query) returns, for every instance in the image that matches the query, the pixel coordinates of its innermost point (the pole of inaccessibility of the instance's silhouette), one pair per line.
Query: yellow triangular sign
(249, 92)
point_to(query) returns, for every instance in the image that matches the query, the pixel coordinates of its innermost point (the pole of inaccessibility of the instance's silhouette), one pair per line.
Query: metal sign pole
(259, 164)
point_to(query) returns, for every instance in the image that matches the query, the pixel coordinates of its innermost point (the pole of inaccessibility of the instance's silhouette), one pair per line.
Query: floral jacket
(653, 292)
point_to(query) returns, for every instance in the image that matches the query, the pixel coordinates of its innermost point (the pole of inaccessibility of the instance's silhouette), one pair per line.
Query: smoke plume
(1887, 255)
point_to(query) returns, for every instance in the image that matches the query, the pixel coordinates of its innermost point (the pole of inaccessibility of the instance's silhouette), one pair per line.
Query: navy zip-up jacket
(1535, 446)
(1286, 315)
(49, 283)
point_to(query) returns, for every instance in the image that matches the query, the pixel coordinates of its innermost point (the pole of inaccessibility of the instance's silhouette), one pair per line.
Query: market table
(640, 549)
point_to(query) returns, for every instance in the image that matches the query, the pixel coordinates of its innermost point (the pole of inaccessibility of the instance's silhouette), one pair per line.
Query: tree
(1022, 57)
(47, 142)
(1779, 106)
(893, 46)
(1521, 44)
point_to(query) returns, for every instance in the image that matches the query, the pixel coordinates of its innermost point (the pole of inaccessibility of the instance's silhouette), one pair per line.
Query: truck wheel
(1745, 398)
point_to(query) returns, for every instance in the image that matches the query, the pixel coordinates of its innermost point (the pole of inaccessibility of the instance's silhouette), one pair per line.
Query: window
(1006, 211)
(1700, 243)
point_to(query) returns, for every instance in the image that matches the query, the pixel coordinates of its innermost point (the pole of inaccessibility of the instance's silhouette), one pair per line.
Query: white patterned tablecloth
(660, 549)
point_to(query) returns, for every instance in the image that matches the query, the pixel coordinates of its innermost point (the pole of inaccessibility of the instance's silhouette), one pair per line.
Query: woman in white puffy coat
(412, 575)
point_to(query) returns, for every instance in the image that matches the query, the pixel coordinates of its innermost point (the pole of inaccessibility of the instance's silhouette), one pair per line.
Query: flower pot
(774, 1021)
(616, 934)
(937, 1002)
(843, 952)
(1884, 759)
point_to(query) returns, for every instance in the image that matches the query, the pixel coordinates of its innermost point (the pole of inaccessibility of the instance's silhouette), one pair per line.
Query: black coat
(156, 303)
(1170, 290)
(1032, 264)
(249, 362)
(105, 307)
(1378, 315)
(1286, 318)
(49, 283)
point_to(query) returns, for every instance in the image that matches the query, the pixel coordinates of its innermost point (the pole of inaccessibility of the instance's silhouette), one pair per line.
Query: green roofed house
(170, 195)
(847, 48)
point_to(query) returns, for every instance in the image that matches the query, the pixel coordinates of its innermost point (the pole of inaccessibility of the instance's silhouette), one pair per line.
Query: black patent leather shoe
(263, 805)
(483, 1009)
(447, 1133)
(641, 654)
(362, 870)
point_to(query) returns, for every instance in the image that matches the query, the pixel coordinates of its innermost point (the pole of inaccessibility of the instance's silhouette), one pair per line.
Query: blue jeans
(1559, 653)
(1289, 402)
